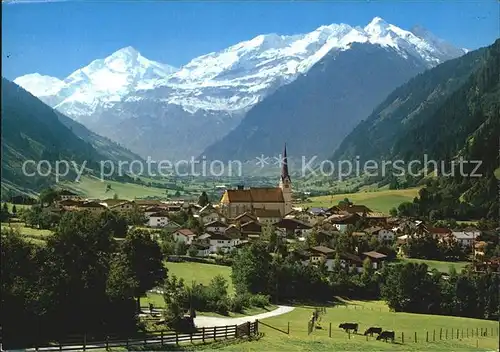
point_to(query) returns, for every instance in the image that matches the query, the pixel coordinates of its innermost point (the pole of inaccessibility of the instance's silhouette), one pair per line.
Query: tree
(135, 216)
(192, 251)
(48, 196)
(146, 261)
(115, 196)
(5, 208)
(393, 212)
(116, 222)
(14, 209)
(203, 199)
(251, 269)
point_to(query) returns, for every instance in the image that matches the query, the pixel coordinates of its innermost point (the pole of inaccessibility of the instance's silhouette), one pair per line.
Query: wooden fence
(204, 335)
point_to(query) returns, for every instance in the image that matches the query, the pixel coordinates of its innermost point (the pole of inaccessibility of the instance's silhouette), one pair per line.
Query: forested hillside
(448, 112)
(32, 130)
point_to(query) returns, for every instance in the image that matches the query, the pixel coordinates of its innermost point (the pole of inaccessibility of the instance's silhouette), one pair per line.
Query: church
(235, 202)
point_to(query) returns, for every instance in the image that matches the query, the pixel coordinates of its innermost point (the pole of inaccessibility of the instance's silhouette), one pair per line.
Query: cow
(386, 335)
(372, 330)
(349, 326)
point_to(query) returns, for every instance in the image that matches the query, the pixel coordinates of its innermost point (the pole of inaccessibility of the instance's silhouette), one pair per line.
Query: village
(247, 215)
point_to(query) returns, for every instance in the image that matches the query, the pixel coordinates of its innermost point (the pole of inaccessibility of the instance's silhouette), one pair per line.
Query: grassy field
(35, 236)
(93, 187)
(382, 200)
(199, 272)
(368, 314)
(443, 267)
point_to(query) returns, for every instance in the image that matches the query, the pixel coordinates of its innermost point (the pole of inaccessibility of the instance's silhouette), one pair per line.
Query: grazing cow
(386, 335)
(372, 331)
(349, 326)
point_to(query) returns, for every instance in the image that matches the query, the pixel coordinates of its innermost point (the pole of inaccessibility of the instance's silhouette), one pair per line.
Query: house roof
(116, 205)
(358, 209)
(267, 213)
(146, 202)
(216, 223)
(251, 226)
(439, 230)
(185, 232)
(350, 257)
(292, 224)
(372, 230)
(90, 204)
(323, 250)
(154, 209)
(66, 192)
(375, 255)
(462, 235)
(207, 209)
(376, 215)
(343, 218)
(205, 236)
(70, 202)
(160, 214)
(250, 215)
(111, 201)
(253, 195)
(232, 229)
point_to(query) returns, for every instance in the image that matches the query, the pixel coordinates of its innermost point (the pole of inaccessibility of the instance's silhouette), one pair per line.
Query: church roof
(254, 195)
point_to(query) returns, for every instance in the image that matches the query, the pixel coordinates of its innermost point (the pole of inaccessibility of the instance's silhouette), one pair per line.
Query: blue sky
(56, 38)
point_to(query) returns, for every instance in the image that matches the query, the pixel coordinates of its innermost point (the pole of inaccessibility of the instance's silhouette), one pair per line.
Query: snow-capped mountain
(126, 87)
(103, 82)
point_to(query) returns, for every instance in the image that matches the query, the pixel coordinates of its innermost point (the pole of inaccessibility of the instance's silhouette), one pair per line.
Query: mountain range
(224, 98)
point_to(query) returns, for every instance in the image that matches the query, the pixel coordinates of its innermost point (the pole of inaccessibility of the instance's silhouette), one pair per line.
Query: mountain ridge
(217, 88)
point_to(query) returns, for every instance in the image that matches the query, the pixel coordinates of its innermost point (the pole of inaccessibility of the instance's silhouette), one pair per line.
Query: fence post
(481, 331)
(477, 332)
(349, 333)
(84, 341)
(176, 338)
(446, 334)
(402, 337)
(127, 344)
(288, 329)
(203, 334)
(236, 331)
(426, 336)
(415, 337)
(330, 330)
(226, 331)
(161, 338)
(440, 333)
(256, 332)
(458, 336)
(467, 333)
(452, 333)
(248, 328)
(434, 335)
(215, 332)
(60, 346)
(107, 343)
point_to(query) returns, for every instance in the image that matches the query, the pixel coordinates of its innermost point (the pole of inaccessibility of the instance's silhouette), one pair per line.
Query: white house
(159, 219)
(184, 235)
(216, 226)
(203, 249)
(383, 235)
(218, 241)
(152, 210)
(209, 214)
(466, 238)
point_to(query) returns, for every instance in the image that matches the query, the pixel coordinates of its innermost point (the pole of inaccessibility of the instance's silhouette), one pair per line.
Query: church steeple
(286, 185)
(285, 176)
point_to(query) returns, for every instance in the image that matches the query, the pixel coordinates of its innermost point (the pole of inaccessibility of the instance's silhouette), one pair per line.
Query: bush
(259, 300)
(239, 303)
(222, 306)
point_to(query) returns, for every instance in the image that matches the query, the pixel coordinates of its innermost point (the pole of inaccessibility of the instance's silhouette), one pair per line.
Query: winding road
(201, 321)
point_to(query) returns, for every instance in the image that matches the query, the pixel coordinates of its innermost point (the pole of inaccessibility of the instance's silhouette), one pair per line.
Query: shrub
(239, 303)
(259, 300)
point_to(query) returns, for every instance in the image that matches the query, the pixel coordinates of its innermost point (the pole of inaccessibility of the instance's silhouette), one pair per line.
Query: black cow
(386, 335)
(349, 326)
(372, 331)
